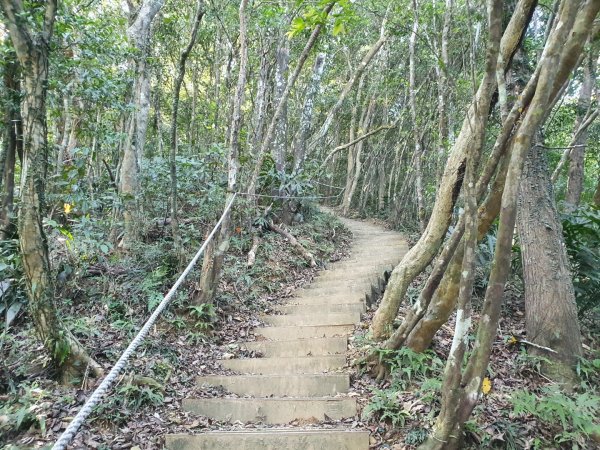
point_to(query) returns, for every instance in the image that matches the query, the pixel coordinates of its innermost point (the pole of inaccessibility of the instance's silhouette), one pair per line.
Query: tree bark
(32, 49)
(318, 137)
(215, 252)
(279, 110)
(550, 309)
(173, 150)
(577, 153)
(307, 112)
(419, 256)
(412, 101)
(139, 33)
(574, 17)
(13, 144)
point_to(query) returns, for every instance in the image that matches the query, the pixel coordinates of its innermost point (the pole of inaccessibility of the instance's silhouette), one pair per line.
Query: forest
(303, 224)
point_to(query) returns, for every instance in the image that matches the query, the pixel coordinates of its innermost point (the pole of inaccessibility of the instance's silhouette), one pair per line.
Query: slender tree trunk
(139, 32)
(442, 79)
(279, 149)
(550, 309)
(32, 50)
(412, 100)
(262, 97)
(173, 153)
(428, 245)
(577, 153)
(317, 138)
(13, 144)
(574, 21)
(215, 253)
(356, 158)
(280, 108)
(307, 112)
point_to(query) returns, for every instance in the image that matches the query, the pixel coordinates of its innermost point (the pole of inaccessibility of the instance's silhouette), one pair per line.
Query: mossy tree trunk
(32, 49)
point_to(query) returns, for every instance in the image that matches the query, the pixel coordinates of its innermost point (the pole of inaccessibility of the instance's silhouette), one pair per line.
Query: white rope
(106, 384)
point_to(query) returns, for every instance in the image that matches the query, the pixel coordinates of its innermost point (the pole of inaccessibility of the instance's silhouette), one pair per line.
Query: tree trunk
(32, 49)
(412, 93)
(442, 80)
(577, 153)
(262, 97)
(281, 105)
(307, 112)
(318, 137)
(173, 153)
(13, 144)
(215, 252)
(574, 21)
(352, 182)
(281, 124)
(419, 256)
(139, 32)
(550, 309)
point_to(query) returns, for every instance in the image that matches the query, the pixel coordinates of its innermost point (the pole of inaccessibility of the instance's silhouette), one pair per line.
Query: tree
(550, 308)
(32, 47)
(139, 32)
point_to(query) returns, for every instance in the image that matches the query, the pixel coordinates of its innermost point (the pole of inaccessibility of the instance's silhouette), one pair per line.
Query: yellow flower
(67, 207)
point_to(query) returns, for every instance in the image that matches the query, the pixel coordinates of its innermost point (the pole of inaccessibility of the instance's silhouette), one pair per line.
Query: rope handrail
(67, 436)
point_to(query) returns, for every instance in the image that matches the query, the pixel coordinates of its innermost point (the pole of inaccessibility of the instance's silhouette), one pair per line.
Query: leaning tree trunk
(282, 104)
(307, 113)
(573, 22)
(32, 50)
(550, 309)
(428, 245)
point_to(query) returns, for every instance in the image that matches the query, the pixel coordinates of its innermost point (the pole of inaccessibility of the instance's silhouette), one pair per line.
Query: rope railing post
(67, 436)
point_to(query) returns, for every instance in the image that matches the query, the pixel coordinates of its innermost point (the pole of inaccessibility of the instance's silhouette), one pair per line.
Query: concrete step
(308, 385)
(334, 276)
(376, 266)
(299, 347)
(303, 332)
(271, 410)
(347, 318)
(286, 365)
(343, 280)
(334, 290)
(327, 308)
(272, 439)
(330, 299)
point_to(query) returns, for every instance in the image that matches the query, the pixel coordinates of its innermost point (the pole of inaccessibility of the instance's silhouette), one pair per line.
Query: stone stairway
(300, 375)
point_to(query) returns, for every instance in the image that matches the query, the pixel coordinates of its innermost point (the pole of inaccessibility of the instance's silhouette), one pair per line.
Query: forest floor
(108, 301)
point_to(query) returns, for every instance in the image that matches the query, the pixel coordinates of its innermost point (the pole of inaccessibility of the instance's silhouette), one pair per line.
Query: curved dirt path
(299, 377)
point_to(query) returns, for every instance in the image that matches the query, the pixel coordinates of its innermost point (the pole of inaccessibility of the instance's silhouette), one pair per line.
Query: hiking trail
(301, 375)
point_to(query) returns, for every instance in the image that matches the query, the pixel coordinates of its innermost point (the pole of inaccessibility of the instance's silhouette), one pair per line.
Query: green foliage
(151, 285)
(128, 399)
(581, 230)
(575, 415)
(205, 316)
(409, 370)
